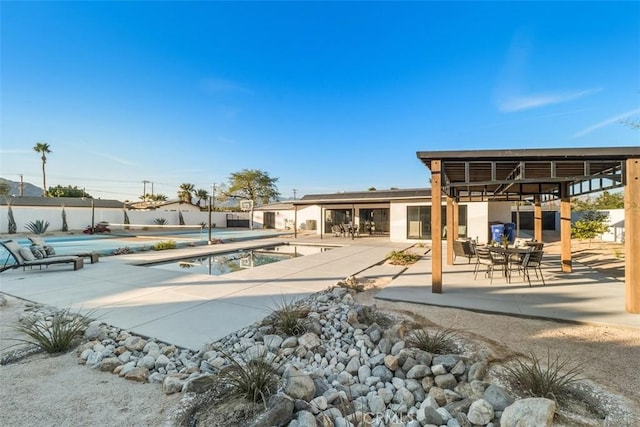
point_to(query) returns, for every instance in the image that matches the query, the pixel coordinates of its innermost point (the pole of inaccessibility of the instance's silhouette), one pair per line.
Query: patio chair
(491, 260)
(24, 258)
(49, 252)
(533, 260)
(464, 248)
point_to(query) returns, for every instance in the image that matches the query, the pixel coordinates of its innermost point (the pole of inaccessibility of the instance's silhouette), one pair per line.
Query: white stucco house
(402, 214)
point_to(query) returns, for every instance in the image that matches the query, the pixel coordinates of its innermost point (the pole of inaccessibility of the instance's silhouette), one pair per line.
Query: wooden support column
(537, 219)
(436, 227)
(450, 233)
(565, 228)
(632, 236)
(456, 219)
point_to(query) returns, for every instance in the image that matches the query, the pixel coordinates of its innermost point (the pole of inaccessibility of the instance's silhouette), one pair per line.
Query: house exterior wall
(477, 220)
(398, 220)
(284, 219)
(79, 218)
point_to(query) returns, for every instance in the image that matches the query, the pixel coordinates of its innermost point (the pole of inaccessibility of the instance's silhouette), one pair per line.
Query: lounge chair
(464, 248)
(25, 258)
(49, 252)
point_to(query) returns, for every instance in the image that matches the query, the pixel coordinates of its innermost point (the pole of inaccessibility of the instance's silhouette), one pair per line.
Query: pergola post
(565, 228)
(632, 236)
(450, 231)
(537, 218)
(295, 221)
(436, 227)
(456, 219)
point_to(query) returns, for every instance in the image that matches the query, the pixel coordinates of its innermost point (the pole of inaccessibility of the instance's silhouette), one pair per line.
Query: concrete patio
(190, 310)
(186, 309)
(584, 296)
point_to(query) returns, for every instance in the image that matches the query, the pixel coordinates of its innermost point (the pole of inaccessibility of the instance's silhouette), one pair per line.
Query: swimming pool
(224, 263)
(106, 244)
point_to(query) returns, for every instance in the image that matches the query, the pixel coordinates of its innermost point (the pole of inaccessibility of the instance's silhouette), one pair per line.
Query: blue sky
(326, 96)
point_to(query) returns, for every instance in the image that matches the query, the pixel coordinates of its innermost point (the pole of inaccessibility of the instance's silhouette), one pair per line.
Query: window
(419, 221)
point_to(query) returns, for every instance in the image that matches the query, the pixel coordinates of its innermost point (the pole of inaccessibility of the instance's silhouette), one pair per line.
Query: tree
(186, 191)
(608, 200)
(372, 189)
(251, 184)
(68, 191)
(43, 148)
(604, 201)
(590, 225)
(201, 194)
(5, 188)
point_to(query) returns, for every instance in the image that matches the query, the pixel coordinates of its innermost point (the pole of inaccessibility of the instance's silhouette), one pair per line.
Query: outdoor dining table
(513, 255)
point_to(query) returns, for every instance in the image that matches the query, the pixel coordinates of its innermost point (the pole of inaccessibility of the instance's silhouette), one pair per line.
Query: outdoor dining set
(520, 257)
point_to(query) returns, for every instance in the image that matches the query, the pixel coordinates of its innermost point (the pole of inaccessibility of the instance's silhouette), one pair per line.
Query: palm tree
(185, 192)
(43, 147)
(201, 194)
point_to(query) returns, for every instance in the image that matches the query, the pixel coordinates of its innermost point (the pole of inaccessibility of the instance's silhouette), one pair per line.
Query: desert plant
(438, 342)
(160, 221)
(12, 222)
(65, 226)
(38, 226)
(55, 334)
(254, 379)
(123, 251)
(352, 283)
(370, 315)
(288, 318)
(161, 246)
(402, 258)
(550, 379)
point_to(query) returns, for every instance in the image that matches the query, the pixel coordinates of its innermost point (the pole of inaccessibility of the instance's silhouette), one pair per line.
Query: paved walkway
(190, 310)
(185, 309)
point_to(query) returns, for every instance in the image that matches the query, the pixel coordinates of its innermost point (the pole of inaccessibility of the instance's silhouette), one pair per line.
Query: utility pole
(21, 185)
(144, 190)
(294, 193)
(213, 195)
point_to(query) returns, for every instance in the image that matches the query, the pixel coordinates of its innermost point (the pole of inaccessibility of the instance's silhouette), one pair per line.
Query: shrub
(56, 334)
(402, 258)
(38, 226)
(288, 318)
(160, 221)
(255, 379)
(550, 379)
(370, 315)
(123, 251)
(161, 246)
(351, 282)
(438, 342)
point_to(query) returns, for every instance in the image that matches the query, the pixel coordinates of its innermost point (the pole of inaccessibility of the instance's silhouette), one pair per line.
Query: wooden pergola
(536, 175)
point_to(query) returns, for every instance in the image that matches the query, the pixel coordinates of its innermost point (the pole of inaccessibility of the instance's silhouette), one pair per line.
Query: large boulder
(531, 412)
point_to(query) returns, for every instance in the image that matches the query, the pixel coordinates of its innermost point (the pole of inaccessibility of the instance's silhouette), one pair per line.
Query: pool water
(219, 264)
(106, 244)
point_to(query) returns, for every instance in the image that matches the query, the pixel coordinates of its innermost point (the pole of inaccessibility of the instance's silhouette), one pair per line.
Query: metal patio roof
(525, 173)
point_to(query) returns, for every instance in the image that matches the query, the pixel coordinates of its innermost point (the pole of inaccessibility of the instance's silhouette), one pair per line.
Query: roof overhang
(525, 173)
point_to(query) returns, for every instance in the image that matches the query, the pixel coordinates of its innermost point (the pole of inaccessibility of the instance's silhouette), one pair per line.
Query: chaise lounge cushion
(38, 251)
(27, 255)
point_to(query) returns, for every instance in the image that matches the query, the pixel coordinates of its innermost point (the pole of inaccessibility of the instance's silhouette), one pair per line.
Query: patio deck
(583, 296)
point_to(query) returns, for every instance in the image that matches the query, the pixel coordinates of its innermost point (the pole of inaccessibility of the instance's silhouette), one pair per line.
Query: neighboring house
(403, 214)
(279, 215)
